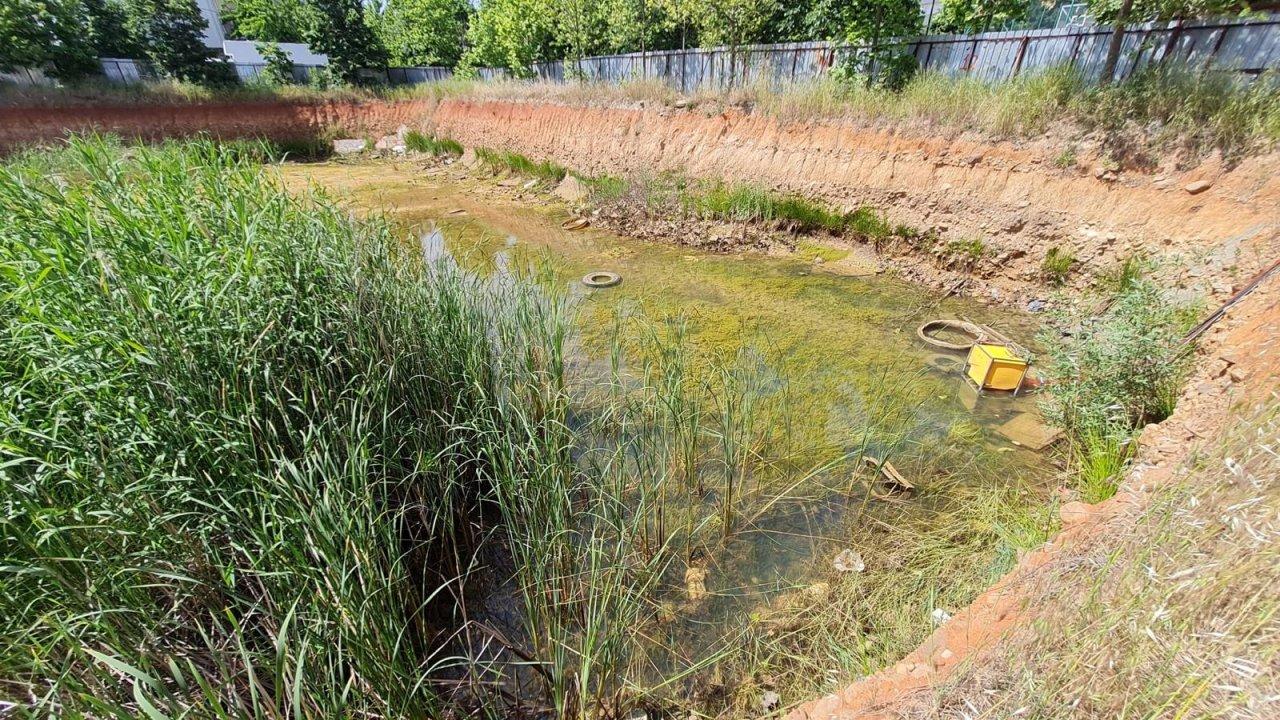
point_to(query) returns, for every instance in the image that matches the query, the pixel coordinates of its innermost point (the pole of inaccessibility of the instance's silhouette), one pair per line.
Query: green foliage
(515, 162)
(222, 406)
(967, 251)
(1115, 370)
(275, 21)
(749, 203)
(418, 142)
(279, 69)
(1142, 11)
(1196, 110)
(871, 24)
(1126, 275)
(975, 16)
(512, 34)
(340, 32)
(171, 32)
(108, 31)
(46, 34)
(1056, 264)
(734, 23)
(422, 32)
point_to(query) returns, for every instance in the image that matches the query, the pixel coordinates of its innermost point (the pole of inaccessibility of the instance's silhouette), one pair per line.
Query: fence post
(1173, 39)
(1022, 51)
(1075, 49)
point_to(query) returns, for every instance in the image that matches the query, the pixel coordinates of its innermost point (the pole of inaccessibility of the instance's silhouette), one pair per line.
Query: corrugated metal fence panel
(1247, 45)
(1251, 45)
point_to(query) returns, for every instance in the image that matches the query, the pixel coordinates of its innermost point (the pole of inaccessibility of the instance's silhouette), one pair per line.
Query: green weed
(1057, 265)
(432, 145)
(544, 170)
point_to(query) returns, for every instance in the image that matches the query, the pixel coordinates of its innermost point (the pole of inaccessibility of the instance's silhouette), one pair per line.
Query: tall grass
(246, 444)
(419, 142)
(504, 160)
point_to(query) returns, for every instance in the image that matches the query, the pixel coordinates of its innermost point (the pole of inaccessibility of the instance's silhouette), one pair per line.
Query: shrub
(1113, 372)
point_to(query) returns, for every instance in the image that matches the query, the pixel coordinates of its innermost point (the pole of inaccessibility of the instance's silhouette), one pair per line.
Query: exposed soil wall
(22, 127)
(1014, 196)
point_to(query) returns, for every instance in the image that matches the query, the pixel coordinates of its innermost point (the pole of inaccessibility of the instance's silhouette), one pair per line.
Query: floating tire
(601, 279)
(925, 330)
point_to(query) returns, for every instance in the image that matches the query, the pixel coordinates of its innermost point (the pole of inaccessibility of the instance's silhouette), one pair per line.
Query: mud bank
(281, 120)
(1216, 226)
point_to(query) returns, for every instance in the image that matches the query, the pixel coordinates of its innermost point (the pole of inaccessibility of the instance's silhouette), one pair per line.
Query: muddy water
(844, 347)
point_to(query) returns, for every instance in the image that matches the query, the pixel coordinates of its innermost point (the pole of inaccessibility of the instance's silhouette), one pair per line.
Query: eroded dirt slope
(1217, 226)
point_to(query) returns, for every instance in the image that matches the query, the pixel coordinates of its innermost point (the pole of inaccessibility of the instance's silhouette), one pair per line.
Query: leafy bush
(1114, 371)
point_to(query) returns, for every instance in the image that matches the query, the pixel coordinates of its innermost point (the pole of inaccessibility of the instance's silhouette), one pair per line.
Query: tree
(975, 16)
(340, 31)
(108, 31)
(870, 24)
(638, 26)
(45, 34)
(423, 32)
(513, 34)
(273, 21)
(172, 33)
(734, 22)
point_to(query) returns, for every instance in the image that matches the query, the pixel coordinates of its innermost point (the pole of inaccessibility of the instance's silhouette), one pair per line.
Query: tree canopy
(422, 32)
(274, 21)
(49, 34)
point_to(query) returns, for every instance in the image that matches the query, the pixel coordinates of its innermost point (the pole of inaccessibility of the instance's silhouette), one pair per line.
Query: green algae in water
(846, 374)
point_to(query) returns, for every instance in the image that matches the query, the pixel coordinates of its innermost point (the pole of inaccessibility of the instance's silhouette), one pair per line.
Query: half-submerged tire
(601, 279)
(965, 328)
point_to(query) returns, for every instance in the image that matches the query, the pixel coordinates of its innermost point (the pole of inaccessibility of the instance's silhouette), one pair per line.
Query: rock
(349, 146)
(848, 561)
(1197, 187)
(1237, 375)
(388, 142)
(695, 583)
(469, 158)
(939, 616)
(770, 701)
(1036, 306)
(1074, 512)
(818, 591)
(571, 189)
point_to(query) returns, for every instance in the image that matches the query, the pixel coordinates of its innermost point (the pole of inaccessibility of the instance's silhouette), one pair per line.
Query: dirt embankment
(278, 120)
(1216, 225)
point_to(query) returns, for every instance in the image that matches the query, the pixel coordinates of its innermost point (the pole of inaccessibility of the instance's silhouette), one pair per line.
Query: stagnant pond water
(845, 347)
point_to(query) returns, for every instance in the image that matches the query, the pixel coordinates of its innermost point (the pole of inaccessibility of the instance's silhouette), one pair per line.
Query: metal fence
(126, 71)
(1242, 45)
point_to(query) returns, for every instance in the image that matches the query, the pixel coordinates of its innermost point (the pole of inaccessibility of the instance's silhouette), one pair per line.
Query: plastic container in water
(996, 367)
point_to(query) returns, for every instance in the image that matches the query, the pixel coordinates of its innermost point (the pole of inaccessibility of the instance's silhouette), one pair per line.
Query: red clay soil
(1216, 225)
(1239, 360)
(1011, 195)
(23, 127)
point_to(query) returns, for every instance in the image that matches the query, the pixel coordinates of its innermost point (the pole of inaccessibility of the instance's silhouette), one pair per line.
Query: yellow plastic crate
(995, 367)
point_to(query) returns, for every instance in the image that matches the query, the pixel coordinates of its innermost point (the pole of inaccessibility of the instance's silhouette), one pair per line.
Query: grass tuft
(500, 160)
(432, 145)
